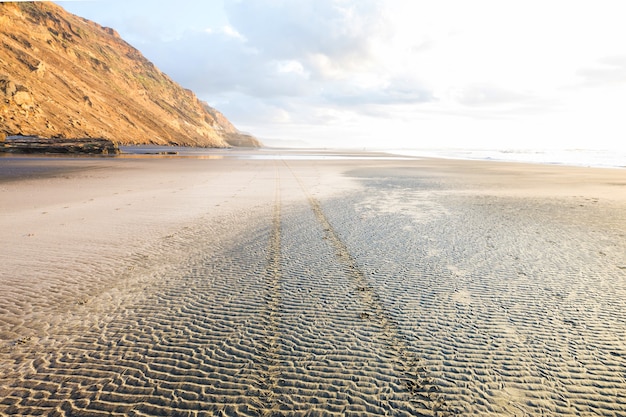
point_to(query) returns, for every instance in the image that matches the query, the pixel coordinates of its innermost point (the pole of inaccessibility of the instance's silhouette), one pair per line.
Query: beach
(277, 282)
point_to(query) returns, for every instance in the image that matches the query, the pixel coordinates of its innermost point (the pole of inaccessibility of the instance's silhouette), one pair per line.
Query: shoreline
(589, 158)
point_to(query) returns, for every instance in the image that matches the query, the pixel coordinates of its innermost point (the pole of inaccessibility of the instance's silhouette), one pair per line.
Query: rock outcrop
(62, 76)
(66, 146)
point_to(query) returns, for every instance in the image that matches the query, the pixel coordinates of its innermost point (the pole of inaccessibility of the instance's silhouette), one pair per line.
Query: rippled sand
(299, 285)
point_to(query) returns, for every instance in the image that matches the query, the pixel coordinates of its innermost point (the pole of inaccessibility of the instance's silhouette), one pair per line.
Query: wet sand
(310, 284)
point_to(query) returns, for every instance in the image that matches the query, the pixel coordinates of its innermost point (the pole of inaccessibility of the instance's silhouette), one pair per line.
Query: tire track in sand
(269, 369)
(414, 378)
(256, 317)
(201, 343)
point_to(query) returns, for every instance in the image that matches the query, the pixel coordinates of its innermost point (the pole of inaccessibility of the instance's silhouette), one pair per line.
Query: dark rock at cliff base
(32, 145)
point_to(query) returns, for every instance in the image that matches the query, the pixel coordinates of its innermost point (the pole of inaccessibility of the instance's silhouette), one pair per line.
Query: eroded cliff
(62, 76)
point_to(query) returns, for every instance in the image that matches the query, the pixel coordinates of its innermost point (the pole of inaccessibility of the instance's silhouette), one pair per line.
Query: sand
(303, 283)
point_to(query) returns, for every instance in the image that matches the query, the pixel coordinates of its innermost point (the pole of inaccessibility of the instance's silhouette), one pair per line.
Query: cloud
(314, 32)
(608, 70)
(211, 63)
(254, 111)
(479, 95)
(390, 90)
(279, 48)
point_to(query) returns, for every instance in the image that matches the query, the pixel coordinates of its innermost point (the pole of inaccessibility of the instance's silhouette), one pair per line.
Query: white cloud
(227, 30)
(608, 70)
(284, 29)
(290, 66)
(484, 95)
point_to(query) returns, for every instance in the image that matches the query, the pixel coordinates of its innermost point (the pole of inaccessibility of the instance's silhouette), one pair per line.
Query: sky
(393, 73)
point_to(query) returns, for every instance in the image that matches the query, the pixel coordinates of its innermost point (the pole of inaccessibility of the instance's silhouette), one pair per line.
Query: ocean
(573, 157)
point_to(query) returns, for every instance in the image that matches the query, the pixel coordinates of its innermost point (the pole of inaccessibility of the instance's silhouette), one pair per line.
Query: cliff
(62, 76)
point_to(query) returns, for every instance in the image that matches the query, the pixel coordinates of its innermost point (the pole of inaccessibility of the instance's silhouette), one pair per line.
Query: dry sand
(300, 285)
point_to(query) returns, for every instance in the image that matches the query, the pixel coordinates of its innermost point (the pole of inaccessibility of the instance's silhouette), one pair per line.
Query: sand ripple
(406, 296)
(515, 308)
(270, 319)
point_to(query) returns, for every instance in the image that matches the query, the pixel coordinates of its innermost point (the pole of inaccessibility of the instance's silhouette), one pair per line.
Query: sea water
(575, 157)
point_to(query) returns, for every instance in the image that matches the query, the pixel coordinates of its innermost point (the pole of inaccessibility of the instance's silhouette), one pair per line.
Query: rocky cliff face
(62, 76)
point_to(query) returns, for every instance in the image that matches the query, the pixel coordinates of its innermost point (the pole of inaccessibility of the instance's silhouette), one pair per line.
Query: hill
(62, 76)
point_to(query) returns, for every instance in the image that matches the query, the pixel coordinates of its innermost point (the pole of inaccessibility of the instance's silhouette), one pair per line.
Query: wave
(573, 157)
